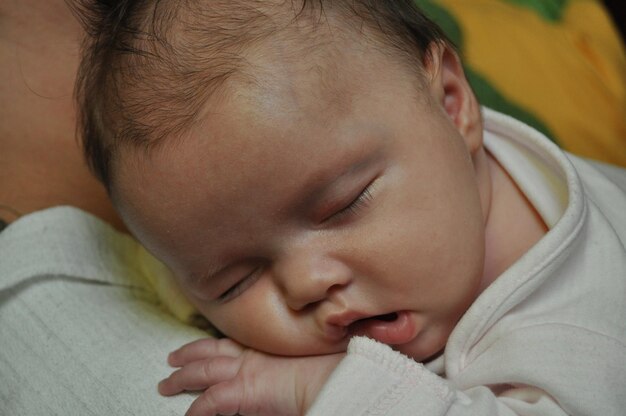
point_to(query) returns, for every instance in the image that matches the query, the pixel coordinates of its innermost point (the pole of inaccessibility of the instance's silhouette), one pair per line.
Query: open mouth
(391, 328)
(373, 320)
(388, 317)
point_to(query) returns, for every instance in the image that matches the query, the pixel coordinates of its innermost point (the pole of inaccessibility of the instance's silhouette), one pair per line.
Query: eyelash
(239, 287)
(355, 206)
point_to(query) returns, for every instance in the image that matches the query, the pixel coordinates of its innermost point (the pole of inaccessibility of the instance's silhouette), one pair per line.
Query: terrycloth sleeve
(373, 379)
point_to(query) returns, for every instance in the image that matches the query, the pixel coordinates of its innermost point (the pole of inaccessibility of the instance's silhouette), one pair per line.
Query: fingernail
(162, 388)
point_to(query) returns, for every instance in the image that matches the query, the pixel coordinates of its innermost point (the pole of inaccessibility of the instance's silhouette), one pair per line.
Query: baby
(319, 178)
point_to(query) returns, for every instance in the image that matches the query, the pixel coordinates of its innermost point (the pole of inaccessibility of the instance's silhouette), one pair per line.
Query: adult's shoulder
(81, 330)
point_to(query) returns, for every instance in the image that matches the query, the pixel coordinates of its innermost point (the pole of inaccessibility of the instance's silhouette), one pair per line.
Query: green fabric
(548, 9)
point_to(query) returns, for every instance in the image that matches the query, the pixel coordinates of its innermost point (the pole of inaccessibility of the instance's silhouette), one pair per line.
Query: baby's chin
(288, 347)
(289, 350)
(420, 352)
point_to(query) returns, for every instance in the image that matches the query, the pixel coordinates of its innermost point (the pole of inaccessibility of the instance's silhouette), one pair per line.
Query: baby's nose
(308, 278)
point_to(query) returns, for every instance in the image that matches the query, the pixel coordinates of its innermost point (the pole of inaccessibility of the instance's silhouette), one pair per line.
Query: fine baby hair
(150, 66)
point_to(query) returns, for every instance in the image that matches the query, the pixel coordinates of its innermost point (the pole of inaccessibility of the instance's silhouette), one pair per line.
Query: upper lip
(346, 318)
(337, 325)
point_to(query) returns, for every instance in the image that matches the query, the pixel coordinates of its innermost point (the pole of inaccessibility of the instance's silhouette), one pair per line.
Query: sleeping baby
(330, 195)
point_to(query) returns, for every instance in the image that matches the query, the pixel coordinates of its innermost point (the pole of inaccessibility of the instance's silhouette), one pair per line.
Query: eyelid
(241, 285)
(355, 205)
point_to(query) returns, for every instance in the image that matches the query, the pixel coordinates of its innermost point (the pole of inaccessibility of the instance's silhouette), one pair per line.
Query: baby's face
(320, 204)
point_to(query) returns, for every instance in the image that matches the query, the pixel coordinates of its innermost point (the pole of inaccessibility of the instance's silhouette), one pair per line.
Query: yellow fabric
(164, 284)
(569, 72)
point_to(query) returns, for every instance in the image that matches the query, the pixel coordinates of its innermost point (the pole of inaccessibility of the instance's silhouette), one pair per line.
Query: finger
(204, 348)
(221, 399)
(199, 375)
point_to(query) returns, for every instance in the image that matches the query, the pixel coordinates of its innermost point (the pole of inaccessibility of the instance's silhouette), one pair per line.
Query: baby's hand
(241, 380)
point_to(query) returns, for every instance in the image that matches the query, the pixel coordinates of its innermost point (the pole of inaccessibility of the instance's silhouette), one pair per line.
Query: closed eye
(241, 285)
(355, 206)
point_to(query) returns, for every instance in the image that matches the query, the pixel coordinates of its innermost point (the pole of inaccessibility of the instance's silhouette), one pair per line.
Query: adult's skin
(41, 163)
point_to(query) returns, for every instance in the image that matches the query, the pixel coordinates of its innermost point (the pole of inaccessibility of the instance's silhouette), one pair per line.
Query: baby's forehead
(301, 88)
(306, 82)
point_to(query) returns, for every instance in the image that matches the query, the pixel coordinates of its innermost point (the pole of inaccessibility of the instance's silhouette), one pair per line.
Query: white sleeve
(373, 379)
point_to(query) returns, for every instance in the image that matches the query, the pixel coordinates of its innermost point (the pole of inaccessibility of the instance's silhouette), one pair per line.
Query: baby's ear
(449, 87)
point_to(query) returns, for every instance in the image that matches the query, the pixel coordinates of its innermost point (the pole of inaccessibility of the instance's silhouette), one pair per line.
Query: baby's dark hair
(149, 66)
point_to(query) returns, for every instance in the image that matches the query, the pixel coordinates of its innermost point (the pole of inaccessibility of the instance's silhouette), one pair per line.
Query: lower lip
(397, 332)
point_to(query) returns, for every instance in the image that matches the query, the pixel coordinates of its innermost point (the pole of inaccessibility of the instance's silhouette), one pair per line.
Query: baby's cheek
(247, 319)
